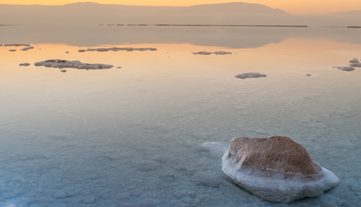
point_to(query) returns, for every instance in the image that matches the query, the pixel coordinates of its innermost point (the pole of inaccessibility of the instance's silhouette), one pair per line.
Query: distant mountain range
(225, 13)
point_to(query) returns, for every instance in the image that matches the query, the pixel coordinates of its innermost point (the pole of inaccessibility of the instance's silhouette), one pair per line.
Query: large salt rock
(276, 169)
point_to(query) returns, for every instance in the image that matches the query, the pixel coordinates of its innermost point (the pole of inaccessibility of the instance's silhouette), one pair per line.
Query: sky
(291, 6)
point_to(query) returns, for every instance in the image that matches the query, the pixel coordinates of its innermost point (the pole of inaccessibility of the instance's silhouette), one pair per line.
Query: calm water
(132, 136)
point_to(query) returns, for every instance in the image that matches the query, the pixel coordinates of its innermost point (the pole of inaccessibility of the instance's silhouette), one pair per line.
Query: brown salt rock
(276, 169)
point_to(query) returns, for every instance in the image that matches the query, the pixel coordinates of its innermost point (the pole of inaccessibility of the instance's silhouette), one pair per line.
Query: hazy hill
(225, 13)
(93, 13)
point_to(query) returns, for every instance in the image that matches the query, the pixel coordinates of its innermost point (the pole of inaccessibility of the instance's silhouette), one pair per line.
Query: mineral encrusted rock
(57, 63)
(250, 75)
(276, 169)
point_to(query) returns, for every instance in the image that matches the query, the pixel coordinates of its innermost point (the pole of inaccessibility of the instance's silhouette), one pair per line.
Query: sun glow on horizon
(294, 6)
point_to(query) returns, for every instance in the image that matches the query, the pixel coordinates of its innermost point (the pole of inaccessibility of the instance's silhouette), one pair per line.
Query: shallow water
(132, 136)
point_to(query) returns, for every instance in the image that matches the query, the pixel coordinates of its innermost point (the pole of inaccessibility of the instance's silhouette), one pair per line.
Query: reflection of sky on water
(232, 37)
(131, 136)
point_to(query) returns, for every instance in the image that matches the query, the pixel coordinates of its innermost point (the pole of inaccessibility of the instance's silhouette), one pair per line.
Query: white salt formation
(276, 169)
(116, 49)
(250, 75)
(57, 63)
(212, 53)
(345, 68)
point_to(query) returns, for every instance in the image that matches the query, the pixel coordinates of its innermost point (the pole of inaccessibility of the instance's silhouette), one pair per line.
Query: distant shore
(354, 27)
(204, 25)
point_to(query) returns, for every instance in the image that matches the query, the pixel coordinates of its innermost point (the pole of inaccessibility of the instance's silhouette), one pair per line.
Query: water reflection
(231, 37)
(125, 137)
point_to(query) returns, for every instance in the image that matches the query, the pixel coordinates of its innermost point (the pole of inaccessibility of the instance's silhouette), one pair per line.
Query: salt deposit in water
(212, 53)
(24, 64)
(345, 68)
(250, 75)
(58, 63)
(27, 48)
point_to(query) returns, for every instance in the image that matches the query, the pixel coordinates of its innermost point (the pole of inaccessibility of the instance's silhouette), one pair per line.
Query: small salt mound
(24, 64)
(57, 63)
(276, 169)
(345, 68)
(250, 75)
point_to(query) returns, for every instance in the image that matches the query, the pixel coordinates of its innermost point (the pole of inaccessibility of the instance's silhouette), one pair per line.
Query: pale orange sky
(292, 6)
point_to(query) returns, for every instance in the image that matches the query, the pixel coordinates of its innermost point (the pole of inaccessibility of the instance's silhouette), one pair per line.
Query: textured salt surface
(277, 189)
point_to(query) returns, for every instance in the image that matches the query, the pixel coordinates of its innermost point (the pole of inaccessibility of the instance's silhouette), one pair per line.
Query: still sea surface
(131, 136)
